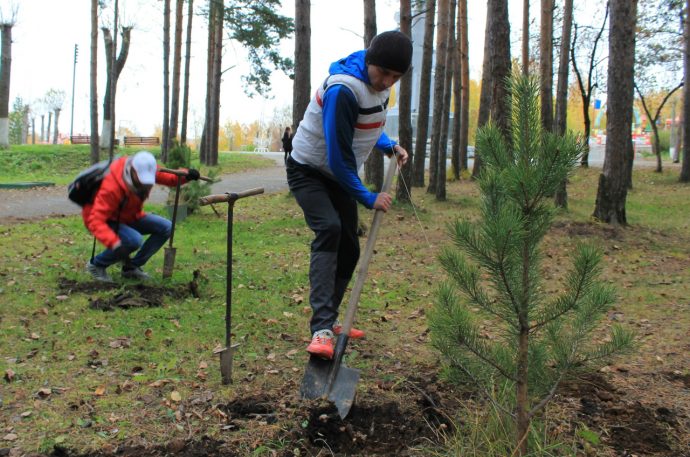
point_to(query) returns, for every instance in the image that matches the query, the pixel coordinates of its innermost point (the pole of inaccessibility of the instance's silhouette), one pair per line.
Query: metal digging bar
(227, 352)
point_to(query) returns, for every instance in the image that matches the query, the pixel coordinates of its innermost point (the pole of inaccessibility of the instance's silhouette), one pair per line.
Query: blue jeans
(131, 237)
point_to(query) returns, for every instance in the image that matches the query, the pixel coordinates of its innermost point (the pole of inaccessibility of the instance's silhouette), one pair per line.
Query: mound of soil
(131, 295)
(628, 426)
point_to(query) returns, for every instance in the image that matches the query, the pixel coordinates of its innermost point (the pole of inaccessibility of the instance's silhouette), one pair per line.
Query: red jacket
(106, 203)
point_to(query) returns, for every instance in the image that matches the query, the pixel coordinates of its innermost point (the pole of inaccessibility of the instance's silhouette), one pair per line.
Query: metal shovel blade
(168, 261)
(344, 389)
(315, 380)
(226, 355)
(341, 390)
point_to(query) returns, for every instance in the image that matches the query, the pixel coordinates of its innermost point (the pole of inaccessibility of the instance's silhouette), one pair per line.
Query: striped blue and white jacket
(342, 124)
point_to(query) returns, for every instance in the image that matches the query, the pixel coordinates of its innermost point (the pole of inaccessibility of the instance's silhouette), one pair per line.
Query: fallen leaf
(148, 333)
(10, 437)
(26, 414)
(175, 396)
(291, 353)
(61, 297)
(71, 357)
(287, 314)
(160, 383)
(44, 392)
(203, 365)
(9, 375)
(100, 391)
(35, 336)
(271, 356)
(176, 323)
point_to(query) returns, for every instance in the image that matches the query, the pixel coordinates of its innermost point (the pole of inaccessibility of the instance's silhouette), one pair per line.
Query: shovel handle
(366, 257)
(183, 173)
(229, 196)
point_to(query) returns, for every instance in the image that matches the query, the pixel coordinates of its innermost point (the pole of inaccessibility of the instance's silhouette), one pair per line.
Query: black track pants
(332, 215)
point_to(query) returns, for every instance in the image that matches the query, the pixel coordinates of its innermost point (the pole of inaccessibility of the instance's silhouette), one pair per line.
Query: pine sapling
(495, 274)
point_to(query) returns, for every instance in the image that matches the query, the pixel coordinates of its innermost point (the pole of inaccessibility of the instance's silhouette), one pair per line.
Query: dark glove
(121, 253)
(193, 175)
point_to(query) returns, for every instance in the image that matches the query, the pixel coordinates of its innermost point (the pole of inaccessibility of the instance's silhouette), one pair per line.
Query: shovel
(227, 352)
(169, 252)
(331, 378)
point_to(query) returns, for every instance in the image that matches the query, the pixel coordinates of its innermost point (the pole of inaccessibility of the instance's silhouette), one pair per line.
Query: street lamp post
(74, 73)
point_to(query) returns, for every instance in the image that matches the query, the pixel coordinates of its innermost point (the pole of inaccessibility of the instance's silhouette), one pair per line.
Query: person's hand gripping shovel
(331, 378)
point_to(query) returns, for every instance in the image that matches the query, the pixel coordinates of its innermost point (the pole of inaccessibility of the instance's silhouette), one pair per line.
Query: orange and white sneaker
(355, 334)
(322, 344)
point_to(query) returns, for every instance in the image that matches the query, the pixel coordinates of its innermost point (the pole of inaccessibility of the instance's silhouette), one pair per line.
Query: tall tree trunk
(187, 59)
(217, 72)
(613, 181)
(50, 122)
(525, 37)
(424, 95)
(586, 92)
(546, 64)
(177, 63)
(439, 94)
(447, 91)
(5, 73)
(42, 136)
(455, 161)
(301, 93)
(493, 100)
(561, 197)
(679, 136)
(685, 161)
(166, 81)
(93, 83)
(111, 84)
(56, 130)
(33, 130)
(465, 90)
(405, 112)
(373, 167)
(208, 111)
(113, 75)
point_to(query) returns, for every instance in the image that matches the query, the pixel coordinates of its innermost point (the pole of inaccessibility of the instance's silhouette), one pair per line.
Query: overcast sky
(47, 30)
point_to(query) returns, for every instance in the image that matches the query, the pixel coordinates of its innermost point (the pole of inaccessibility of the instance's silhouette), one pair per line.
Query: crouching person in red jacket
(116, 217)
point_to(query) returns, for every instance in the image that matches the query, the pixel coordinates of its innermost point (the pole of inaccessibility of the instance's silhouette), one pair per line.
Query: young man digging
(341, 125)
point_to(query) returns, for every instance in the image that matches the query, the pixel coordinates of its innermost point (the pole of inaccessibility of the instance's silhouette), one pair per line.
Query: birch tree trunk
(5, 73)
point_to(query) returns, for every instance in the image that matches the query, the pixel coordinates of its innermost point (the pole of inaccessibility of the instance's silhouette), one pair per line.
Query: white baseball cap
(145, 165)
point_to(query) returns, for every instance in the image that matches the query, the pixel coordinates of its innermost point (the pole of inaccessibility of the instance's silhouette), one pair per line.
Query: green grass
(52, 339)
(61, 163)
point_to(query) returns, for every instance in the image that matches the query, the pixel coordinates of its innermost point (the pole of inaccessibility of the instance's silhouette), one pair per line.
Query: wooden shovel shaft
(229, 196)
(366, 257)
(183, 173)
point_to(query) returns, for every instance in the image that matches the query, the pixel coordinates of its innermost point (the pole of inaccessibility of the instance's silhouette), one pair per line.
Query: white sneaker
(98, 273)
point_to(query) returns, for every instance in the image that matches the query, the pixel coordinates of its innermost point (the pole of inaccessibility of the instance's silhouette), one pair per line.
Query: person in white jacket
(342, 124)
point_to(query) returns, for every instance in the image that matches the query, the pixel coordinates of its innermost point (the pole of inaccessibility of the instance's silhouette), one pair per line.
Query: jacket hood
(352, 65)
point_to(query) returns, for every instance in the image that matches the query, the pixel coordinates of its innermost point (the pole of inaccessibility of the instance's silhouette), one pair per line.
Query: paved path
(21, 204)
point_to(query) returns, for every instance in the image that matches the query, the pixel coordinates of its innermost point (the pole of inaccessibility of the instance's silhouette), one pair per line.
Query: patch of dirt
(625, 424)
(131, 295)
(573, 228)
